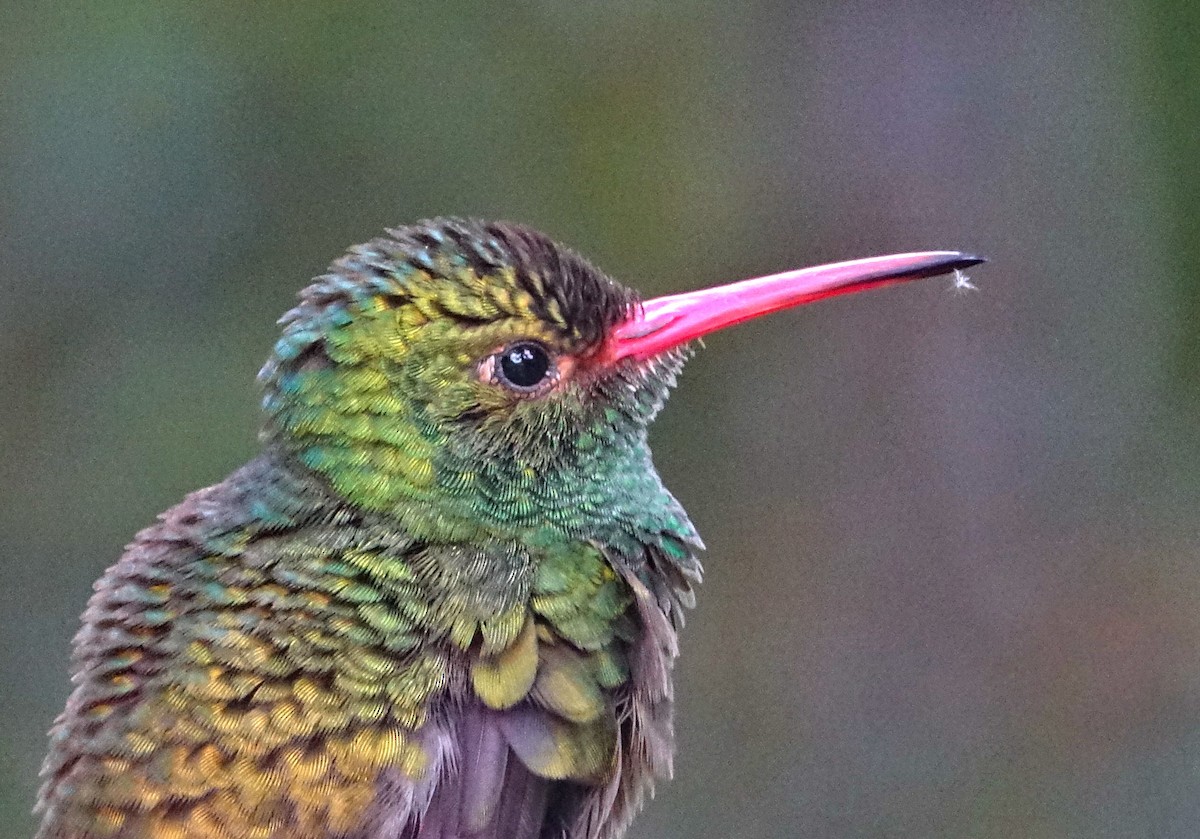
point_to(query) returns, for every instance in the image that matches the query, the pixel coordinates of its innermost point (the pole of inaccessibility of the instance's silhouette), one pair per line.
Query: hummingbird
(443, 600)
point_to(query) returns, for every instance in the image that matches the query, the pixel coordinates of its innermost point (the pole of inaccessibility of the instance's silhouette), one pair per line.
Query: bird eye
(524, 366)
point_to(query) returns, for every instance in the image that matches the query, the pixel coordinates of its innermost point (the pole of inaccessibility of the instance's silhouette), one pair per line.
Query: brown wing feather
(216, 697)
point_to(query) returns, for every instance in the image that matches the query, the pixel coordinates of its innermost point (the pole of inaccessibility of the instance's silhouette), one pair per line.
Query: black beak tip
(944, 262)
(966, 260)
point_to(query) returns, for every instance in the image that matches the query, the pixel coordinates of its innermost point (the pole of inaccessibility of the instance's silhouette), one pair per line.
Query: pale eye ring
(523, 367)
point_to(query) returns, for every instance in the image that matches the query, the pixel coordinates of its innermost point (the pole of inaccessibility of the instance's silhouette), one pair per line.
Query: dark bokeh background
(952, 588)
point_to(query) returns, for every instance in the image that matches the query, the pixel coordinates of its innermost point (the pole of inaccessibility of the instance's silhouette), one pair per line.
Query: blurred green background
(952, 581)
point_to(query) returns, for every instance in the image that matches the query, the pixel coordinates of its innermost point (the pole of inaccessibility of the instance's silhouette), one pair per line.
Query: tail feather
(490, 795)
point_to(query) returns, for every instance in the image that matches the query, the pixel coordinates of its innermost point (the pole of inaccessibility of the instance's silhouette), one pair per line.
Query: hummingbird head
(469, 375)
(455, 371)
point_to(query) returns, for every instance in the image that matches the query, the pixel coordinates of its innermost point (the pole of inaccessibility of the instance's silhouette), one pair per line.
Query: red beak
(666, 322)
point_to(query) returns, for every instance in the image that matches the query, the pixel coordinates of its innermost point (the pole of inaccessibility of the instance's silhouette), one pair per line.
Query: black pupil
(524, 365)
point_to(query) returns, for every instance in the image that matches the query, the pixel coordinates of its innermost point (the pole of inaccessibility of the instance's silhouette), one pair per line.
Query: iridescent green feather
(423, 580)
